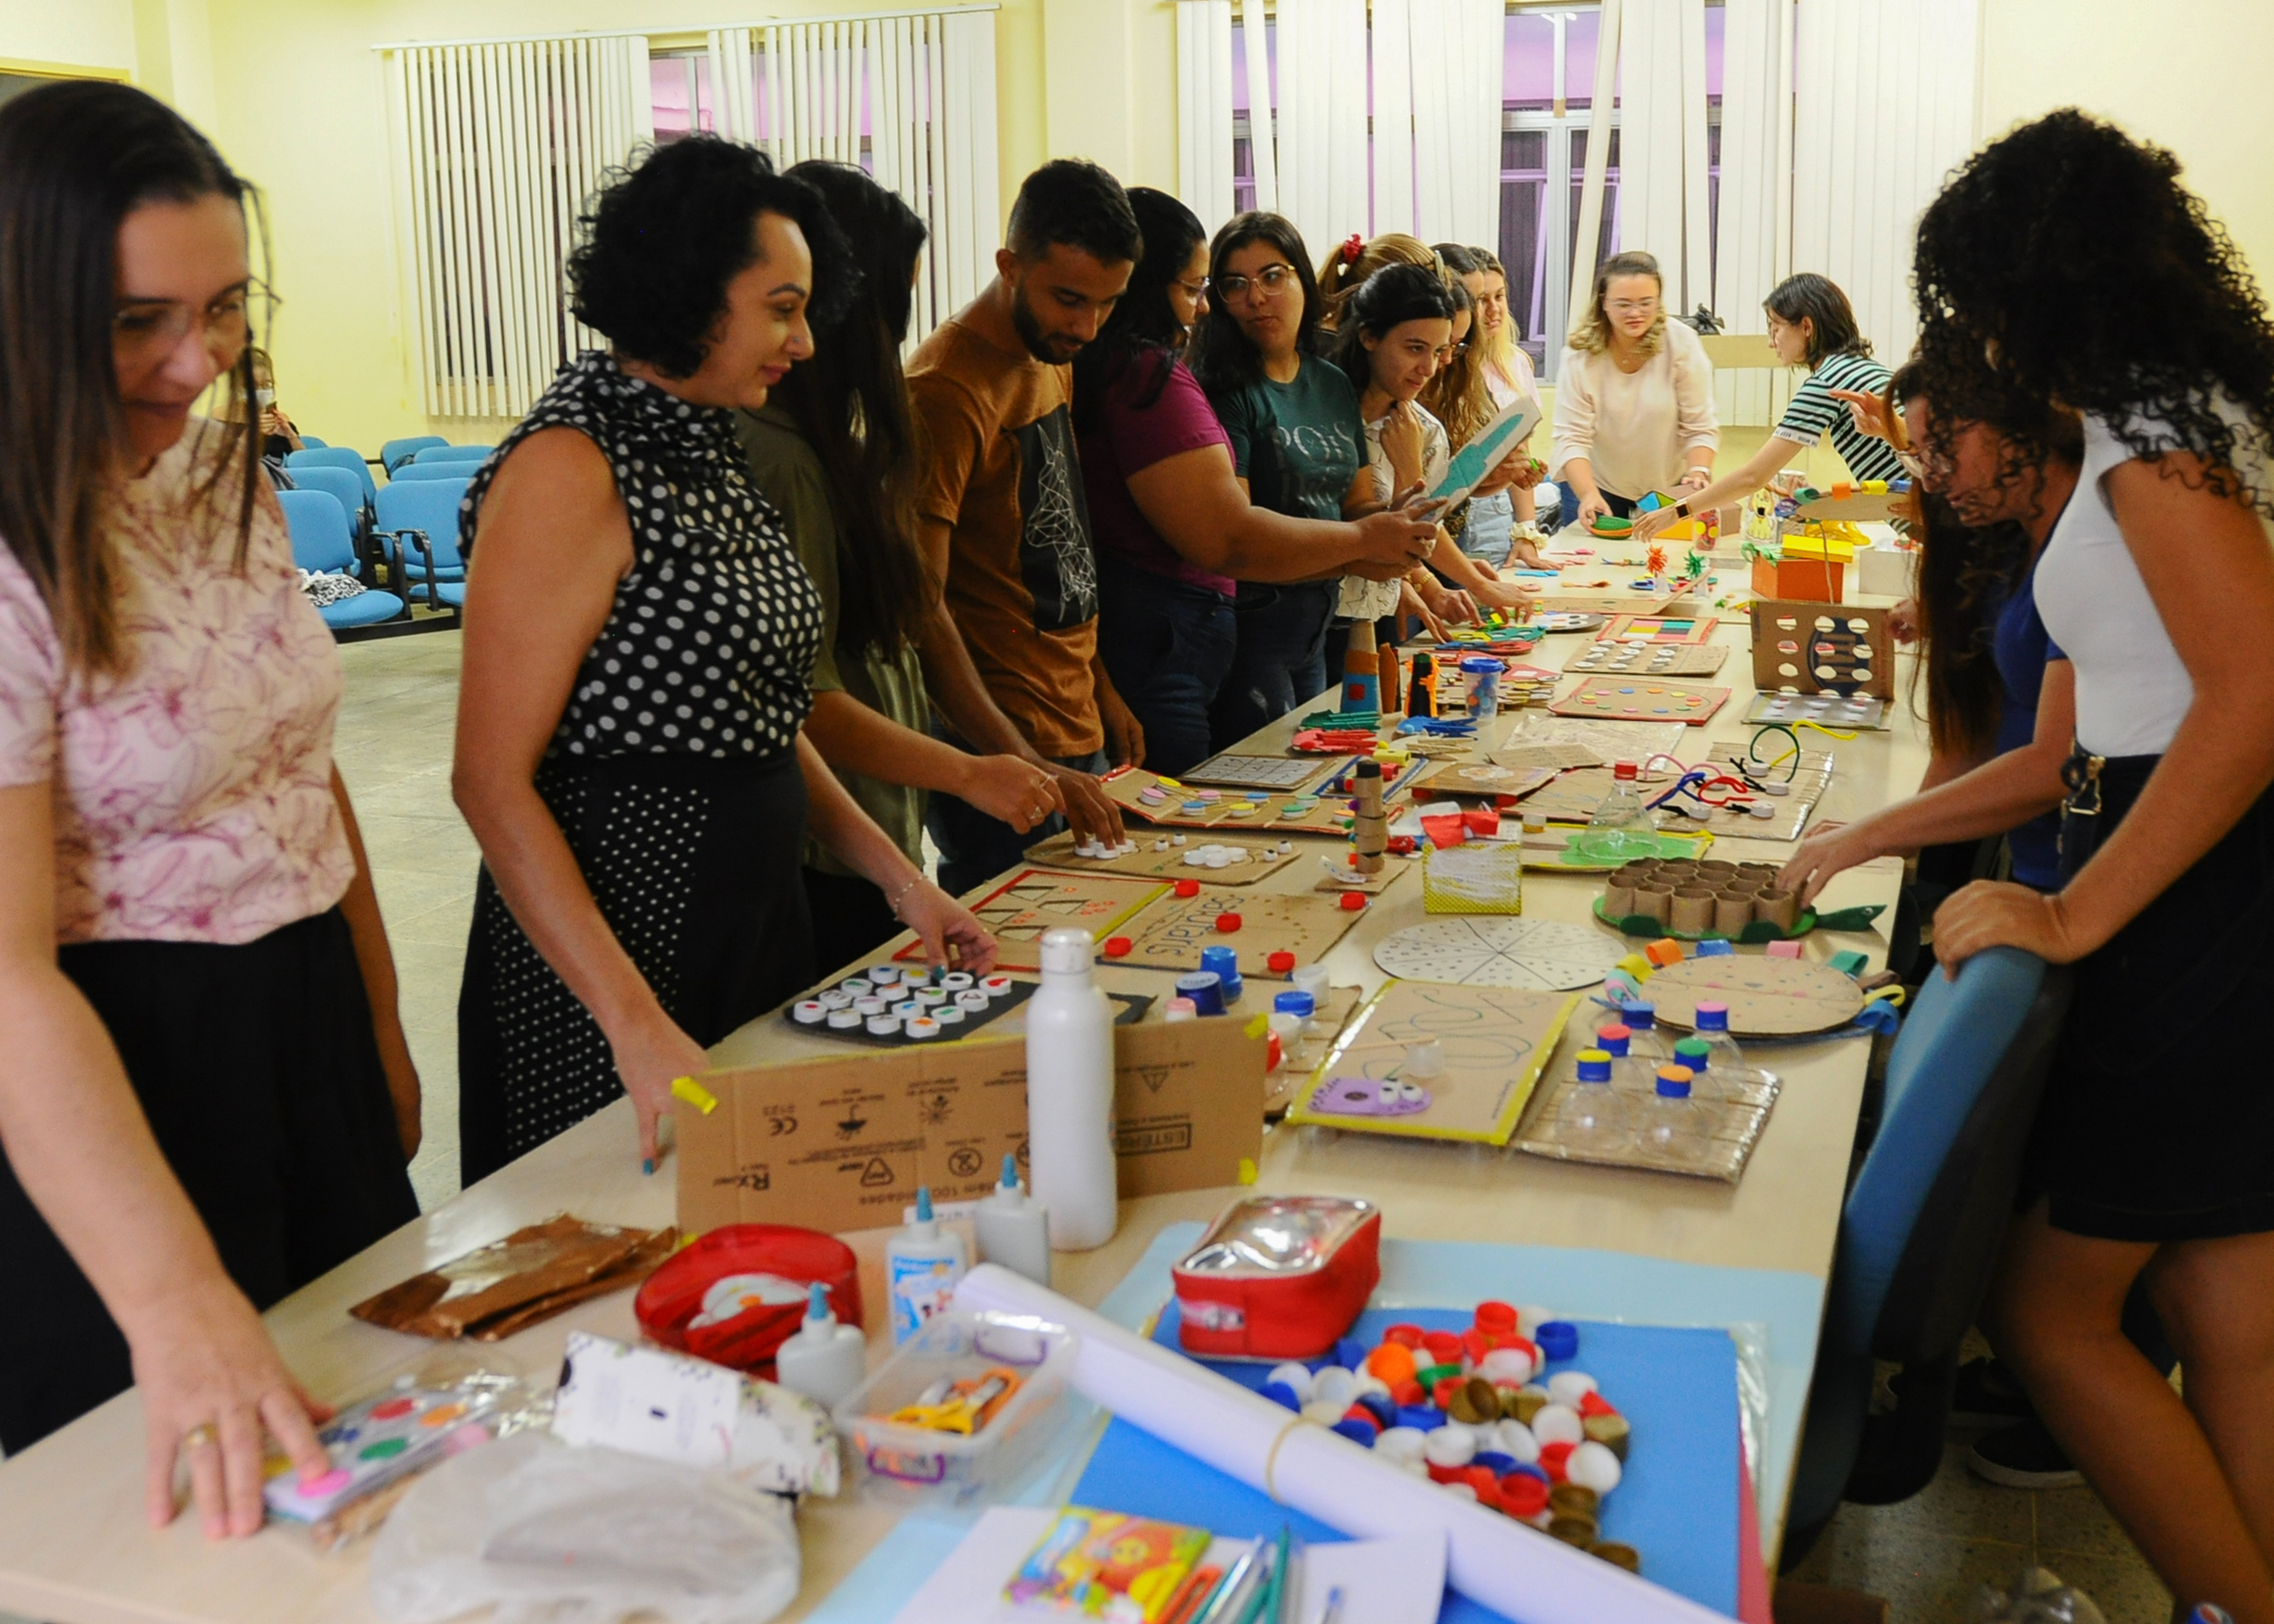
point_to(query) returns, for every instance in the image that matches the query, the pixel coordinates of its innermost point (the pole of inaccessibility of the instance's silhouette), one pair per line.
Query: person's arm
(1202, 511)
(1468, 575)
(950, 935)
(77, 1139)
(853, 737)
(1758, 469)
(2002, 793)
(1696, 427)
(376, 961)
(2207, 566)
(553, 542)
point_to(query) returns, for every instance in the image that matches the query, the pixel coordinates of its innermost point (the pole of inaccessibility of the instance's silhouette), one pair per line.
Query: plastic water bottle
(1070, 1096)
(1623, 828)
(1674, 1126)
(1629, 1074)
(1593, 1119)
(1704, 1083)
(1645, 1040)
(1727, 1062)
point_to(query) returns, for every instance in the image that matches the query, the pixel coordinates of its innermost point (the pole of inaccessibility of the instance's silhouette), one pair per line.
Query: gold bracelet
(894, 901)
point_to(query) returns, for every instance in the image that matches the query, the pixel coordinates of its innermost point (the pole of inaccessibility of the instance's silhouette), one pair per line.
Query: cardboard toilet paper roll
(1781, 908)
(1693, 909)
(1733, 911)
(1618, 897)
(1655, 898)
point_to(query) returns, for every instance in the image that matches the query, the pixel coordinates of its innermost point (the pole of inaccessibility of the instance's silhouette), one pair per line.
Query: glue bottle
(923, 1263)
(1014, 1228)
(1070, 1096)
(824, 1360)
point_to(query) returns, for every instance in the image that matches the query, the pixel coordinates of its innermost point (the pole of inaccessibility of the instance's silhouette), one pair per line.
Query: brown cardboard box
(841, 1145)
(1784, 628)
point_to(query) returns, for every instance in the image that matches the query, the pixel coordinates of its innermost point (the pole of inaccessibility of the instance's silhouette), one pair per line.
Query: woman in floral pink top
(205, 1096)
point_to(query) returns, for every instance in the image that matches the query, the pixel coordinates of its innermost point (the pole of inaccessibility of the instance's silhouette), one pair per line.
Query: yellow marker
(694, 1094)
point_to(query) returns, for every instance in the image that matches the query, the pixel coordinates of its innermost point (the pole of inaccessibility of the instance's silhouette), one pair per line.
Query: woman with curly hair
(2068, 264)
(1634, 397)
(640, 640)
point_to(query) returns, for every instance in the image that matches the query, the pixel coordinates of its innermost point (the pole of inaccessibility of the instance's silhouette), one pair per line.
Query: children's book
(1106, 1565)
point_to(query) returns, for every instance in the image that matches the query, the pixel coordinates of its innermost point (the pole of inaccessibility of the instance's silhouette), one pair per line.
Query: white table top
(73, 1545)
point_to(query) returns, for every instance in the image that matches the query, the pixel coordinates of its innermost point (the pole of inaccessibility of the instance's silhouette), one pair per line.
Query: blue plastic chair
(394, 452)
(420, 518)
(454, 454)
(1921, 1228)
(411, 472)
(310, 443)
(333, 456)
(318, 522)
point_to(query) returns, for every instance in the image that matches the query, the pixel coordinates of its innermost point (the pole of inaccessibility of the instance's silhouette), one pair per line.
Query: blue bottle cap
(1280, 1393)
(1713, 1017)
(1381, 1407)
(1673, 1082)
(1357, 1432)
(1493, 1462)
(817, 1303)
(1297, 1003)
(1205, 989)
(1010, 1180)
(923, 1203)
(1693, 1053)
(1714, 947)
(1350, 1353)
(1613, 1040)
(1421, 1417)
(1530, 1470)
(1594, 1066)
(1639, 1017)
(1558, 1339)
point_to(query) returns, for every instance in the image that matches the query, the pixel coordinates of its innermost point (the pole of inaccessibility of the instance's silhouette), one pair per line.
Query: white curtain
(925, 82)
(1885, 111)
(1756, 109)
(495, 148)
(1460, 46)
(1261, 143)
(1662, 167)
(1204, 97)
(1322, 161)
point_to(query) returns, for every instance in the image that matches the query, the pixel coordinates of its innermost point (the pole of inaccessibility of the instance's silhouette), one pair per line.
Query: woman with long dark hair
(1176, 534)
(205, 1099)
(2151, 1161)
(835, 449)
(640, 635)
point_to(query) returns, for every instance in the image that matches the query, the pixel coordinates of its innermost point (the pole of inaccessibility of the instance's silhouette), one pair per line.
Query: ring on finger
(201, 1436)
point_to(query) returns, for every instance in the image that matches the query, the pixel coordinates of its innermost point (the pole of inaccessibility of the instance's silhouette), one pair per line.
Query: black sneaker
(2023, 1457)
(1986, 1395)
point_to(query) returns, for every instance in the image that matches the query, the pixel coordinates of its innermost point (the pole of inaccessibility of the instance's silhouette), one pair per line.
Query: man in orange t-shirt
(1013, 664)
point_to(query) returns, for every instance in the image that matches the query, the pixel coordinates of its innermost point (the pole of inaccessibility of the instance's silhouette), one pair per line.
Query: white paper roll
(1512, 1569)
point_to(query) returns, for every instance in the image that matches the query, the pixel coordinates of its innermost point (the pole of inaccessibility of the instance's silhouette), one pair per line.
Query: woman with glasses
(206, 1097)
(1176, 534)
(1634, 398)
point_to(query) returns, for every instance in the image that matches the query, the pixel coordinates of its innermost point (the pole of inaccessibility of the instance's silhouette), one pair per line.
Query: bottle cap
(1066, 951)
(1179, 1009)
(817, 1305)
(1713, 1017)
(1673, 1082)
(1693, 1053)
(1625, 772)
(1559, 1339)
(1224, 961)
(1612, 1040)
(1639, 1016)
(1368, 768)
(923, 1204)
(1010, 1180)
(1594, 1066)
(1297, 1003)
(1483, 664)
(1205, 989)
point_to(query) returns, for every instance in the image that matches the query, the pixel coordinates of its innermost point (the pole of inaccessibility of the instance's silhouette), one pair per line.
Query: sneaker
(1986, 1395)
(2023, 1457)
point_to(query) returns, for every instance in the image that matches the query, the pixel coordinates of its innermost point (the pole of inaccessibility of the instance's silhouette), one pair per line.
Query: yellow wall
(83, 33)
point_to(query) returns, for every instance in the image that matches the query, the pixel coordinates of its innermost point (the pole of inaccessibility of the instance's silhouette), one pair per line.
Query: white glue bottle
(824, 1360)
(923, 1263)
(1070, 1096)
(1014, 1228)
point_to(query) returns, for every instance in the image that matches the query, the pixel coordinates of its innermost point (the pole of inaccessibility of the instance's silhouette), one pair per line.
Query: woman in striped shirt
(1811, 324)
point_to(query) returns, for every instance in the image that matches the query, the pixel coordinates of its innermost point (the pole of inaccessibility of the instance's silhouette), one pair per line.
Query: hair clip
(1352, 247)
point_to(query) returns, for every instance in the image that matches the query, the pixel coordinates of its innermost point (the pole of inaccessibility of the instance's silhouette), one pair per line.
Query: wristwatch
(1682, 508)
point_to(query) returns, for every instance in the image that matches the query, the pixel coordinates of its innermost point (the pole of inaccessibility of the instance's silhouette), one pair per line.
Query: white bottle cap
(1067, 951)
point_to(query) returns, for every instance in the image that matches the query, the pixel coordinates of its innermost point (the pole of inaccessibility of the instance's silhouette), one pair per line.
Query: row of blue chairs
(379, 534)
(413, 533)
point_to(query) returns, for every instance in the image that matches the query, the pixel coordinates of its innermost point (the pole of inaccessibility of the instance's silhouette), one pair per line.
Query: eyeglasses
(1270, 282)
(147, 330)
(1193, 290)
(1631, 307)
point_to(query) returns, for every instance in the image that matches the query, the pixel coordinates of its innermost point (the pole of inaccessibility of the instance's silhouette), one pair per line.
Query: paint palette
(389, 1435)
(1824, 710)
(1641, 699)
(1486, 950)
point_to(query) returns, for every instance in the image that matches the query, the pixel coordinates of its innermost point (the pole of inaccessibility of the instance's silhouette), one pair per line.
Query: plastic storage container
(918, 1465)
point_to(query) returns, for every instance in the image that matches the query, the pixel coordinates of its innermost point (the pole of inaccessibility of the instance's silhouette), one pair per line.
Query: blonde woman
(1634, 397)
(1503, 516)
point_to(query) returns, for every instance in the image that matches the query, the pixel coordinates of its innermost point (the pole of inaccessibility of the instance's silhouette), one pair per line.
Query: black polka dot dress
(673, 772)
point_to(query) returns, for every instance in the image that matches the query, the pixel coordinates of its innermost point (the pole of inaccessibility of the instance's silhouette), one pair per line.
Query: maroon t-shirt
(1129, 439)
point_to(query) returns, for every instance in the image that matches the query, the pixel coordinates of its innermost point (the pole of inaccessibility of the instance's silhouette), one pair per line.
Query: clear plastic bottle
(1593, 1119)
(1674, 1126)
(1629, 1073)
(1646, 1041)
(1729, 1065)
(1623, 828)
(1705, 1084)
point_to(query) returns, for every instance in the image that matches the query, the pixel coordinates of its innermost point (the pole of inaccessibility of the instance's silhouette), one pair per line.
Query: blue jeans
(1168, 646)
(1490, 531)
(1282, 660)
(975, 848)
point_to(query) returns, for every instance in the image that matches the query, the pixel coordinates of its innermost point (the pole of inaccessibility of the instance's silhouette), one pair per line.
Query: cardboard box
(1789, 645)
(843, 1143)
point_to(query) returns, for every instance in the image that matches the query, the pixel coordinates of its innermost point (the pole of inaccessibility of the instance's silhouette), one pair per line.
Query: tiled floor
(1927, 1556)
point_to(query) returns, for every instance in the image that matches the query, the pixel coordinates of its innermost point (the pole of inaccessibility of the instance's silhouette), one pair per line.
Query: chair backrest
(428, 505)
(394, 452)
(411, 472)
(309, 442)
(333, 456)
(338, 481)
(454, 454)
(319, 524)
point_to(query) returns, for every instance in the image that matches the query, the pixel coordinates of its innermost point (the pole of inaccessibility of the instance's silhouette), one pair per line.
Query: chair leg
(1902, 1450)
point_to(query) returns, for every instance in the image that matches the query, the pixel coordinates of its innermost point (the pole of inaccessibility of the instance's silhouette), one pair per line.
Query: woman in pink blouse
(205, 1099)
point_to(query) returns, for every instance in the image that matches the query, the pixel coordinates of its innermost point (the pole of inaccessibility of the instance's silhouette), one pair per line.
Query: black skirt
(2154, 1127)
(694, 863)
(260, 1074)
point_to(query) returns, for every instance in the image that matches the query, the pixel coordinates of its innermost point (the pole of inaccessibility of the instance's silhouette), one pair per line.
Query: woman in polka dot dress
(639, 636)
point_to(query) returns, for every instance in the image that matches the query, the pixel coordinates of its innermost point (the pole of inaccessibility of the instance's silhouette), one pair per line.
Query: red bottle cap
(1407, 1393)
(1405, 1336)
(1360, 1412)
(1227, 923)
(1472, 1345)
(1495, 1318)
(1523, 1495)
(1188, 888)
(1352, 901)
(1554, 1458)
(1117, 947)
(1447, 1474)
(1444, 1346)
(1595, 1404)
(1279, 962)
(1442, 1395)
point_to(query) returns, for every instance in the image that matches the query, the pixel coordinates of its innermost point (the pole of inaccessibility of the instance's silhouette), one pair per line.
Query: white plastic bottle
(1622, 827)
(922, 1265)
(1014, 1228)
(824, 1360)
(1070, 1096)
(1593, 1119)
(1674, 1126)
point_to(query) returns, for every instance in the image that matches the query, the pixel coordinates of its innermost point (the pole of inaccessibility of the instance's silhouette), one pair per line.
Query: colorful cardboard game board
(1185, 857)
(1170, 934)
(1021, 908)
(1642, 699)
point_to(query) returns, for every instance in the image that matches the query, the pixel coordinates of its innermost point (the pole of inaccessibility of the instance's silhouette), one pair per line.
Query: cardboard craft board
(1156, 857)
(1314, 813)
(1642, 699)
(1492, 1043)
(1021, 908)
(1491, 951)
(1509, 428)
(1860, 507)
(1767, 997)
(1689, 630)
(1339, 876)
(1000, 1018)
(1613, 603)
(1573, 797)
(1824, 710)
(1169, 934)
(1822, 648)
(1645, 659)
(1611, 741)
(843, 1144)
(1237, 771)
(1481, 778)
(1738, 1115)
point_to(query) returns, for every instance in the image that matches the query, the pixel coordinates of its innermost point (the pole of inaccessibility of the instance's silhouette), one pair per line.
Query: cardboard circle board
(1158, 857)
(1641, 699)
(1767, 997)
(1646, 659)
(1481, 950)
